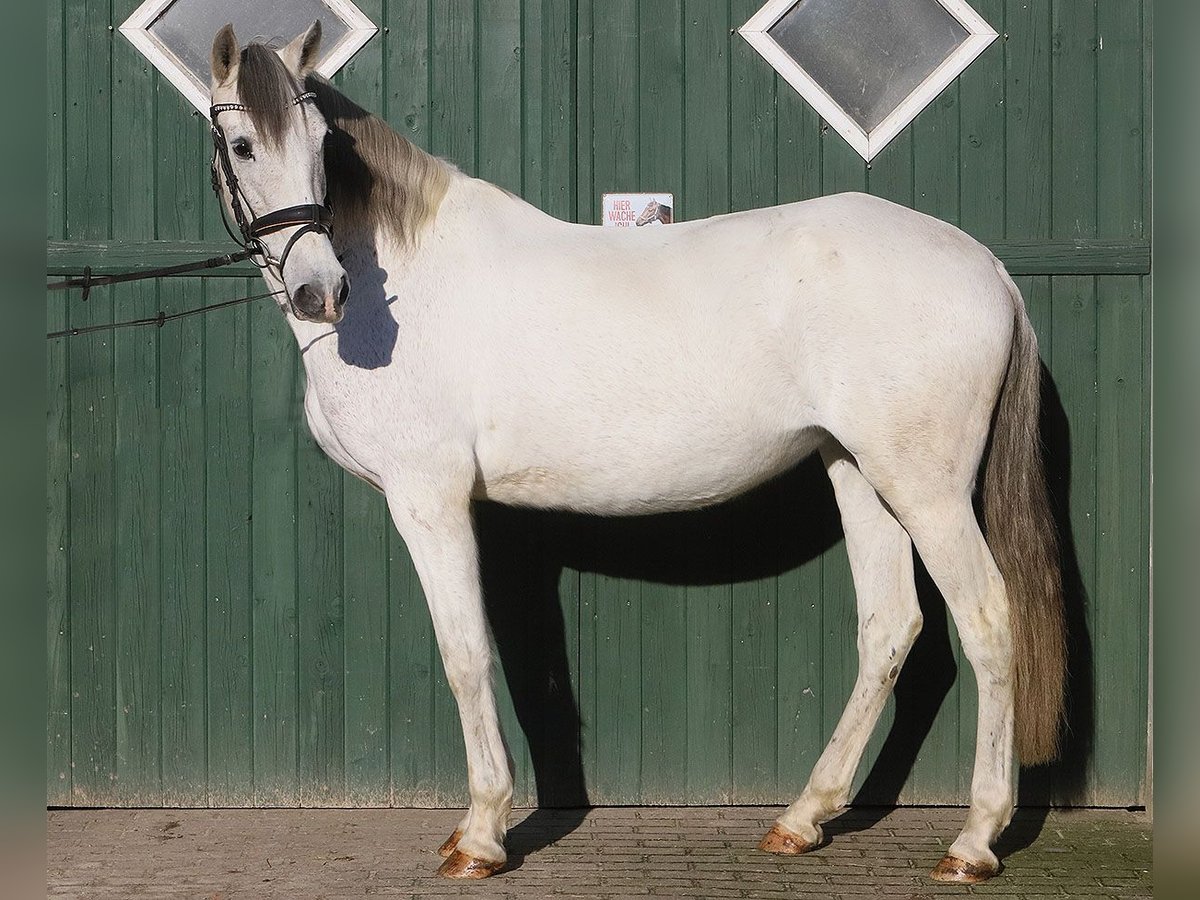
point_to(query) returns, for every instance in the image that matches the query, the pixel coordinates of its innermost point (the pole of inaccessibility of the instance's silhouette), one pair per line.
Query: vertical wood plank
(135, 359)
(321, 626)
(453, 62)
(499, 94)
(617, 676)
(1073, 118)
(1120, 620)
(1119, 617)
(559, 118)
(179, 164)
(228, 505)
(58, 443)
(982, 167)
(536, 28)
(1072, 342)
(706, 192)
(664, 708)
(56, 132)
(751, 120)
(93, 501)
(587, 200)
(58, 537)
(753, 160)
(274, 413)
(366, 592)
(1029, 135)
(182, 522)
(413, 675)
(798, 145)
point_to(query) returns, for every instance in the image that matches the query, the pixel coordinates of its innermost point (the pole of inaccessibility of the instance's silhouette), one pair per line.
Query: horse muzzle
(315, 303)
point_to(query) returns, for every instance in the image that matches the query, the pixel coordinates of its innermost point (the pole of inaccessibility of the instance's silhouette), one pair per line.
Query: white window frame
(136, 29)
(979, 36)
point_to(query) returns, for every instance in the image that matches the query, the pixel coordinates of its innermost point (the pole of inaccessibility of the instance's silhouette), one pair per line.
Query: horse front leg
(441, 540)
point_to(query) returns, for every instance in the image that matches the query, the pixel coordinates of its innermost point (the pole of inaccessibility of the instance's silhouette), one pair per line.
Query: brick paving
(605, 853)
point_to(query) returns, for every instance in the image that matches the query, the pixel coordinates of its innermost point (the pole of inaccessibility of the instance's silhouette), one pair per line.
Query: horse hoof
(953, 870)
(451, 842)
(459, 865)
(783, 842)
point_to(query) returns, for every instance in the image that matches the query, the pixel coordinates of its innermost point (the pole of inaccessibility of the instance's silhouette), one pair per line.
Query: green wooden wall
(231, 621)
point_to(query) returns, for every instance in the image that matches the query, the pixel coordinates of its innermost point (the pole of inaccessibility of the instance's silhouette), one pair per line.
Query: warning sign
(637, 210)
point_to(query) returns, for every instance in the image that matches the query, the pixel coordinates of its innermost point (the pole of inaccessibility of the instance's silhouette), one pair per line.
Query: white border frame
(979, 36)
(137, 30)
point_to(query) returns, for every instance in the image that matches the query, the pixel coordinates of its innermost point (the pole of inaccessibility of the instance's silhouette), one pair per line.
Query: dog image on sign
(637, 210)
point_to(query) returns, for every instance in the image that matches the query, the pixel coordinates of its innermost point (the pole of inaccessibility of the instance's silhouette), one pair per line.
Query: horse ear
(301, 54)
(225, 53)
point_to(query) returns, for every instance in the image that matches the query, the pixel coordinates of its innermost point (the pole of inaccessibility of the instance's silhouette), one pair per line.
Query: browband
(218, 108)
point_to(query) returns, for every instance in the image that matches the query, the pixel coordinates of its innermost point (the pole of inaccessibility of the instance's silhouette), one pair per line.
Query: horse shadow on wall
(765, 533)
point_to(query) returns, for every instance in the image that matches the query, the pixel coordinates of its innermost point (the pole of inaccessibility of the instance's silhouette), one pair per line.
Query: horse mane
(376, 178)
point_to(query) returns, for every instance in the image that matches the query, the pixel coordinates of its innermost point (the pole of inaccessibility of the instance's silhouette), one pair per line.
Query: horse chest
(346, 445)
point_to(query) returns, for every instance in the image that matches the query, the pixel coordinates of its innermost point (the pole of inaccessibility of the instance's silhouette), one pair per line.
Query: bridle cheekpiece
(311, 217)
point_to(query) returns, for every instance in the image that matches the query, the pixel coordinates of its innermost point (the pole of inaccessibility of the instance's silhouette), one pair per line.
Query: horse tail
(1022, 537)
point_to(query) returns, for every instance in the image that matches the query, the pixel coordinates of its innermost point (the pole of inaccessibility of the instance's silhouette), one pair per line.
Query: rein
(310, 217)
(88, 281)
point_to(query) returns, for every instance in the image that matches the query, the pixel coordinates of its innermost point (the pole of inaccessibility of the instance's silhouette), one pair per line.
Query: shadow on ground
(772, 530)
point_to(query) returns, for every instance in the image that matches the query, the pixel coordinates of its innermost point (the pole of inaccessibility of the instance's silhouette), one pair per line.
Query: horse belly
(622, 473)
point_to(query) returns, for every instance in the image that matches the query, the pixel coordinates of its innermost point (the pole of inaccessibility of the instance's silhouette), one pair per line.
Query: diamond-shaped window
(177, 35)
(868, 66)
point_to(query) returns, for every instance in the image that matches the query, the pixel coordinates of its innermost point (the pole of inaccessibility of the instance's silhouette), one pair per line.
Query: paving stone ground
(603, 853)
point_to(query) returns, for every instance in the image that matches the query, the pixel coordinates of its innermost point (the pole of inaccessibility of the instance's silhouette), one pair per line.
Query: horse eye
(241, 149)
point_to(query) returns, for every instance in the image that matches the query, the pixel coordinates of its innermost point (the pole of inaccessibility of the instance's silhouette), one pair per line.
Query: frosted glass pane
(188, 27)
(869, 55)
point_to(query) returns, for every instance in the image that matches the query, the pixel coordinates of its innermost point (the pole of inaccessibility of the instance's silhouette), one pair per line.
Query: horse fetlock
(492, 796)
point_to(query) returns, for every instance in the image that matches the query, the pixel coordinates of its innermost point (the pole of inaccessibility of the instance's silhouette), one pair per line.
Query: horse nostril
(307, 300)
(344, 291)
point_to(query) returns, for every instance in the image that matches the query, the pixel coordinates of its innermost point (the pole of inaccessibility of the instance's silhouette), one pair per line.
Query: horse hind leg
(947, 535)
(889, 620)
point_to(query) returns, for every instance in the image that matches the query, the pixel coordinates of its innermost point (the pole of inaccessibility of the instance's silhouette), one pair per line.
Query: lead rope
(158, 320)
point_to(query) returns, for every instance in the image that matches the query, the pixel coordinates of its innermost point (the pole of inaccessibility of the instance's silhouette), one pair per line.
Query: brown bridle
(310, 217)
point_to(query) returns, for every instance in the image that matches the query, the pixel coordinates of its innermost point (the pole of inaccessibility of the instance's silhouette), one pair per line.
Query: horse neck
(472, 216)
